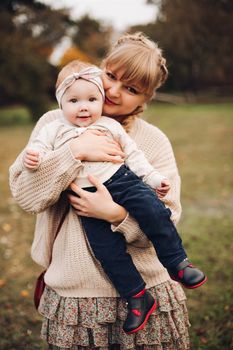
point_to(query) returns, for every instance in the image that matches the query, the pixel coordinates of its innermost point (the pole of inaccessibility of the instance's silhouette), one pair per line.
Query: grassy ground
(202, 139)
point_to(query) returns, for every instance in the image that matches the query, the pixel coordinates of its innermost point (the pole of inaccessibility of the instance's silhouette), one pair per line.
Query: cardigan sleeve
(159, 152)
(164, 160)
(132, 232)
(37, 190)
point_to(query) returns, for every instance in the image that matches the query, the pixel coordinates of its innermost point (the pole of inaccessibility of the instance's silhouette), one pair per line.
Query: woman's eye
(132, 90)
(110, 75)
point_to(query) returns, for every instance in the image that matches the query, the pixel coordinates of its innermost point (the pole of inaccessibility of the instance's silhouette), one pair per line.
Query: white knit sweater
(74, 271)
(55, 134)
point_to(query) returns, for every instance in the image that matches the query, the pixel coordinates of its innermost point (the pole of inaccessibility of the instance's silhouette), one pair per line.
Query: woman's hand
(94, 145)
(99, 204)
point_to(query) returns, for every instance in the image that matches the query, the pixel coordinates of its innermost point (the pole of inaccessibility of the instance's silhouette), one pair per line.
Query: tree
(92, 38)
(74, 53)
(29, 31)
(30, 18)
(197, 40)
(25, 76)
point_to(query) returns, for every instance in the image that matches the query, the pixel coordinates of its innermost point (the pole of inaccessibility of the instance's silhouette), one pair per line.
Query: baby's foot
(140, 307)
(188, 275)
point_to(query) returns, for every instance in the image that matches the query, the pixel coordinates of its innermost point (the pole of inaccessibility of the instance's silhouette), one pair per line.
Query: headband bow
(91, 74)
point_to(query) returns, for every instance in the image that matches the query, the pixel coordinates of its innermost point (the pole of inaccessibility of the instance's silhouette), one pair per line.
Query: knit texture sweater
(57, 133)
(73, 270)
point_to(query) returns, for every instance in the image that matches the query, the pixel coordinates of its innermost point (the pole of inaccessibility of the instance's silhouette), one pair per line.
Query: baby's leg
(153, 218)
(110, 249)
(155, 221)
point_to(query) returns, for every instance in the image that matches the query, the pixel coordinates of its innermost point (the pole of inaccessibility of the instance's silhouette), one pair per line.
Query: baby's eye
(92, 99)
(73, 100)
(111, 75)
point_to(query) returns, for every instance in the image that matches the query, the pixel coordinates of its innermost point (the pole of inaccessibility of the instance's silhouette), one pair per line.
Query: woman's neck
(119, 118)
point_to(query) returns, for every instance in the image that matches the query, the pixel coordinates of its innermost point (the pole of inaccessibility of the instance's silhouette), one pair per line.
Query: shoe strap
(135, 303)
(183, 264)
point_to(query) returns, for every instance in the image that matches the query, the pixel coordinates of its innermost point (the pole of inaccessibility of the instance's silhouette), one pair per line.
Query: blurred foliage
(74, 53)
(197, 40)
(92, 37)
(26, 76)
(29, 32)
(14, 115)
(196, 37)
(32, 19)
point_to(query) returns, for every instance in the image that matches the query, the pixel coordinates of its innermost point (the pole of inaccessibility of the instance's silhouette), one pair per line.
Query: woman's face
(120, 98)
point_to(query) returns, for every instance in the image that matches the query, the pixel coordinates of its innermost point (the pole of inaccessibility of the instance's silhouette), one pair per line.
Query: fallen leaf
(200, 331)
(6, 227)
(24, 293)
(29, 332)
(2, 283)
(203, 340)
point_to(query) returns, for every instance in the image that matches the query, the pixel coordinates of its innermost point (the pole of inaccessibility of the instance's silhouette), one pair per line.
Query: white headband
(91, 74)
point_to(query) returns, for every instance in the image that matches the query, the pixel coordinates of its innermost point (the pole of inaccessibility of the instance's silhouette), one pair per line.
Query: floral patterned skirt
(96, 323)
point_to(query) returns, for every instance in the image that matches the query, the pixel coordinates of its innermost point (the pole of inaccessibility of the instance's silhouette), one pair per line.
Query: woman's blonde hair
(142, 64)
(74, 66)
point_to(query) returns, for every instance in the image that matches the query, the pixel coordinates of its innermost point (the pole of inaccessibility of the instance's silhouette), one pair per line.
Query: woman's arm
(165, 162)
(95, 146)
(37, 190)
(88, 203)
(160, 154)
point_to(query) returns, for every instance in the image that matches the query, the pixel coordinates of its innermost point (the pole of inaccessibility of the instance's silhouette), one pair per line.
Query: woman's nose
(115, 89)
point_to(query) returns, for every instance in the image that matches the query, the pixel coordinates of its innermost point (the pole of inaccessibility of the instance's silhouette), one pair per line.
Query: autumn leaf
(203, 340)
(6, 227)
(2, 283)
(24, 293)
(74, 53)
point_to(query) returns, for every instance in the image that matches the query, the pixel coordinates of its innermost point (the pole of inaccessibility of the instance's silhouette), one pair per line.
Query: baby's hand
(163, 189)
(31, 159)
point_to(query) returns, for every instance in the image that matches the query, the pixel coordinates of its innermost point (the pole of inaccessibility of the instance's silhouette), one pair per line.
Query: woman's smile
(109, 102)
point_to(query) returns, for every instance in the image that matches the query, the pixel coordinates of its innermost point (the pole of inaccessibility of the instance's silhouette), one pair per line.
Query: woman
(80, 306)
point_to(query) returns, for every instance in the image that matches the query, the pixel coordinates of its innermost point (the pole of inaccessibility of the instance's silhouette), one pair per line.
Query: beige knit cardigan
(74, 271)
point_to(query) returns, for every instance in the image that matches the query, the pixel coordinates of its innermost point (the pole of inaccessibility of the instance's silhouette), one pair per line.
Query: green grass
(20, 323)
(14, 115)
(201, 136)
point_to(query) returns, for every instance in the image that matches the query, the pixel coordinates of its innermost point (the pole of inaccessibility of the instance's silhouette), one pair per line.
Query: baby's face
(82, 103)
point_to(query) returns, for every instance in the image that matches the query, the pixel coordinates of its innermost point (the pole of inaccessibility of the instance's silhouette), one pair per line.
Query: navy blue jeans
(153, 217)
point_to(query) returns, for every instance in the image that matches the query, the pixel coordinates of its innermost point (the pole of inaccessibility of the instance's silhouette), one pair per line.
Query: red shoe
(188, 275)
(140, 307)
